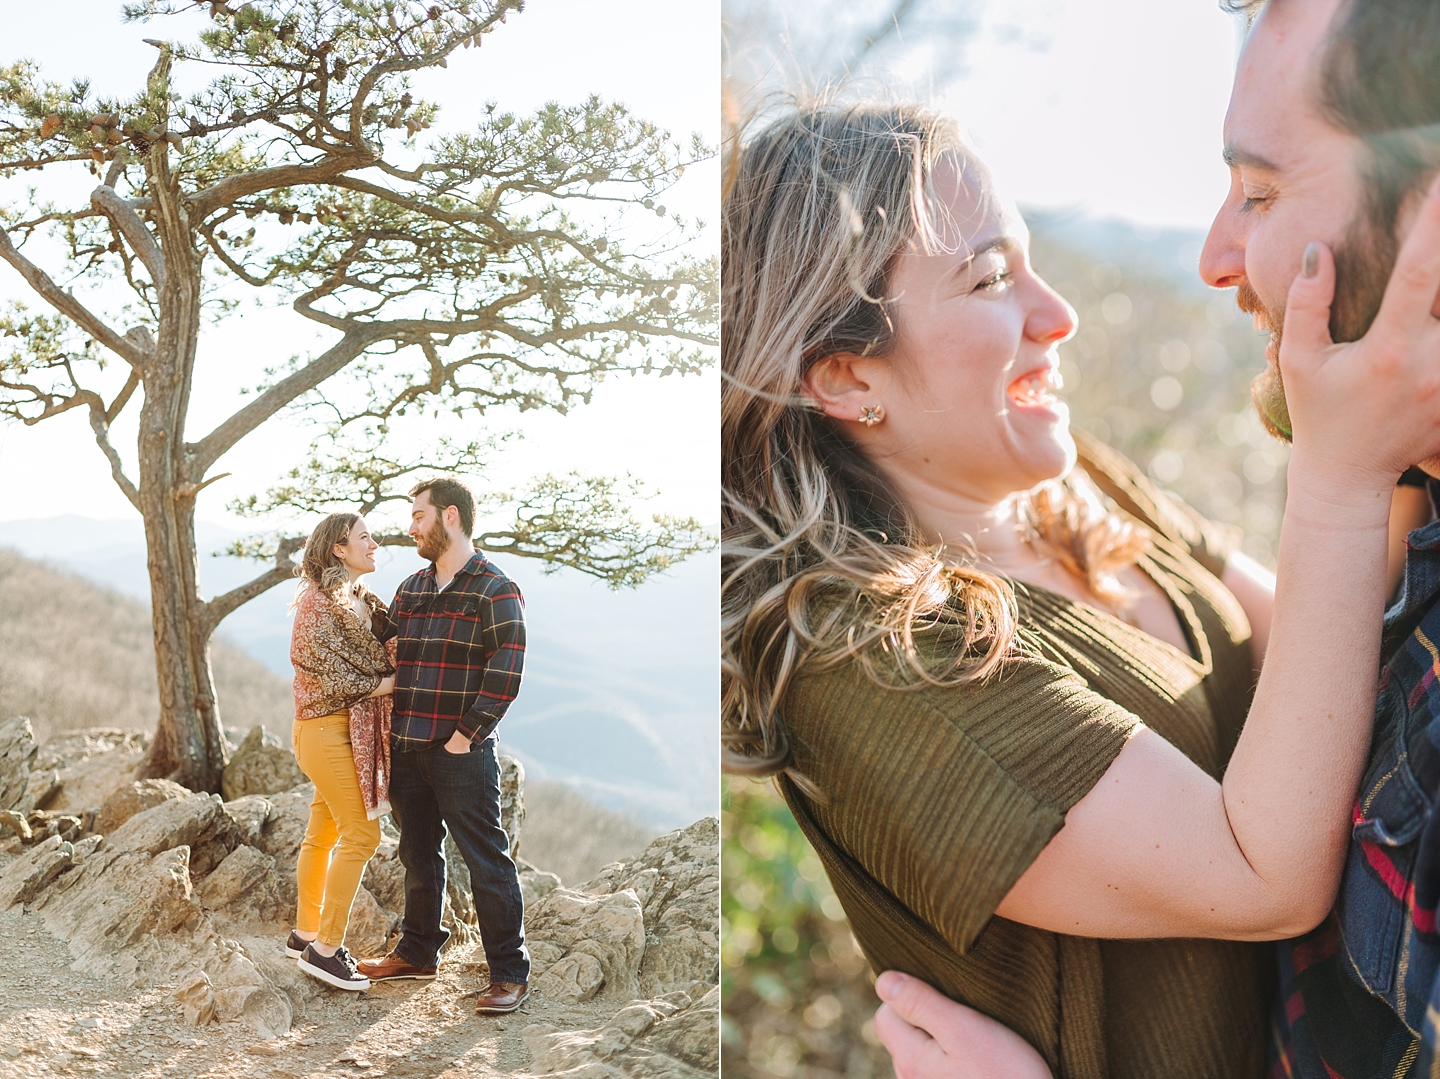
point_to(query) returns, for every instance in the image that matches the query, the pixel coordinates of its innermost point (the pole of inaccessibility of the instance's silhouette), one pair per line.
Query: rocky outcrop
(260, 765)
(125, 801)
(670, 1037)
(609, 928)
(647, 925)
(157, 885)
(198, 822)
(17, 756)
(86, 766)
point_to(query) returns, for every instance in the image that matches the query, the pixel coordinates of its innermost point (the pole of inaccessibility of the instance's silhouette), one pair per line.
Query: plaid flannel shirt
(459, 655)
(1360, 995)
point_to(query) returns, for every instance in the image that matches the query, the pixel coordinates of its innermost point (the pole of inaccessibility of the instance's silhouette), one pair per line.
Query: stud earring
(870, 415)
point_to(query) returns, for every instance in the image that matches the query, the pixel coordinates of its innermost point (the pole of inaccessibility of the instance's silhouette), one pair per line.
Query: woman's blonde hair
(820, 563)
(318, 565)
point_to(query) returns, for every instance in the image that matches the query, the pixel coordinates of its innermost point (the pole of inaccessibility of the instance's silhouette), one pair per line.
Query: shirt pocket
(1378, 887)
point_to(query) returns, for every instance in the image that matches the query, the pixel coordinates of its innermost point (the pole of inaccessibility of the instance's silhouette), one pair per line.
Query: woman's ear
(843, 385)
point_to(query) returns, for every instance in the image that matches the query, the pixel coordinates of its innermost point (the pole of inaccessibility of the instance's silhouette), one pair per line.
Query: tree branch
(100, 424)
(125, 219)
(203, 203)
(208, 450)
(125, 347)
(284, 570)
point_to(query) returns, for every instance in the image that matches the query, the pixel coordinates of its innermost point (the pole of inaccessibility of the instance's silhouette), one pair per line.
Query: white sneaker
(337, 970)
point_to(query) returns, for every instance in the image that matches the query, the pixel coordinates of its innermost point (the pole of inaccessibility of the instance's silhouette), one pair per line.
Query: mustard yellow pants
(340, 839)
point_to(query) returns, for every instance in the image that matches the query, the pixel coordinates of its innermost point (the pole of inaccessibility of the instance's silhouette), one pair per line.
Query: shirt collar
(474, 566)
(1422, 572)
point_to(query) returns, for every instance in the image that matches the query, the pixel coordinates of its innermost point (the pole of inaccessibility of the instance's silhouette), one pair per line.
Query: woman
(340, 667)
(998, 676)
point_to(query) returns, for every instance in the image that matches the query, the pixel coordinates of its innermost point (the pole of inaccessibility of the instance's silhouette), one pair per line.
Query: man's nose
(1222, 259)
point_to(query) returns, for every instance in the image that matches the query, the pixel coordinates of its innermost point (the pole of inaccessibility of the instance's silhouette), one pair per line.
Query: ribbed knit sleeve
(946, 796)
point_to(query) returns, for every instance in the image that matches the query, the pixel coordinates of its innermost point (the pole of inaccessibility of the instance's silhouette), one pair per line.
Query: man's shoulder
(489, 580)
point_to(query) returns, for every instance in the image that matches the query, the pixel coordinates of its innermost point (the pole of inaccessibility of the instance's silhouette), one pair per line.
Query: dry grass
(567, 834)
(78, 655)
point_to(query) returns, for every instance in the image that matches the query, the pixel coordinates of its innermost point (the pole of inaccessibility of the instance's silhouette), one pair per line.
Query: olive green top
(937, 800)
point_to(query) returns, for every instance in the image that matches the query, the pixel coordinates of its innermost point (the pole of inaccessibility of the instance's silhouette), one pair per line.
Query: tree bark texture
(189, 745)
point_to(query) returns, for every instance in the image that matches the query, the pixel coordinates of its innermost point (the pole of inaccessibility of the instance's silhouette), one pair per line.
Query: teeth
(1034, 388)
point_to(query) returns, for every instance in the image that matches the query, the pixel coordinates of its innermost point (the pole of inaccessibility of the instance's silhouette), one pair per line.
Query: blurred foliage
(1161, 371)
(796, 991)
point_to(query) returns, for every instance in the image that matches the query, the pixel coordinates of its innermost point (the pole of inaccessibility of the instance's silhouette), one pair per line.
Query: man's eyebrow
(1237, 158)
(998, 243)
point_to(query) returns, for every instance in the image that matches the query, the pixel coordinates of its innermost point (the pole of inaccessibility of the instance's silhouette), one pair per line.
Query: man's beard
(1363, 261)
(433, 542)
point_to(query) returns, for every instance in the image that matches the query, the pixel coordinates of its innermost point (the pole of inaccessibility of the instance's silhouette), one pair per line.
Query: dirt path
(56, 1022)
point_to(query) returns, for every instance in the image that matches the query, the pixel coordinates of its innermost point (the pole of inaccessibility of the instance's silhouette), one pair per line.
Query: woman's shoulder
(1032, 697)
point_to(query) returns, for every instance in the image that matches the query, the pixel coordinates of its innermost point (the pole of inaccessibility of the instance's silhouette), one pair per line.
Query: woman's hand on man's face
(929, 1036)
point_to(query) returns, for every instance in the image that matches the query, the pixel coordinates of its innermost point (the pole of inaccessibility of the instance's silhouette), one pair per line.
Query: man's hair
(1380, 81)
(446, 491)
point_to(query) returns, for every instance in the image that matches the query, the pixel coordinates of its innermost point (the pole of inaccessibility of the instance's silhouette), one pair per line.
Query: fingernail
(1310, 262)
(888, 984)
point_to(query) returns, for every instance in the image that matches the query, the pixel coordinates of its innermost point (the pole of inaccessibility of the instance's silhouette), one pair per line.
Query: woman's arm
(1157, 848)
(384, 689)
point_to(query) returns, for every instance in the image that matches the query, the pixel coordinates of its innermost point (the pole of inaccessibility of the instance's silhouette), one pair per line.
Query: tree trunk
(189, 745)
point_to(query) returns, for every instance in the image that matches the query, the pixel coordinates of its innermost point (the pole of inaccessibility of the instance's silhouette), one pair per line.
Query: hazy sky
(659, 58)
(1110, 108)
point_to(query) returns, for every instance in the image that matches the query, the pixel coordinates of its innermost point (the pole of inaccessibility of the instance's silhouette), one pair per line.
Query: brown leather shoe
(391, 967)
(501, 997)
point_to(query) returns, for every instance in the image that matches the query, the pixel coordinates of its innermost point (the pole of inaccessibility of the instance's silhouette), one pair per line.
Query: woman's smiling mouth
(1035, 389)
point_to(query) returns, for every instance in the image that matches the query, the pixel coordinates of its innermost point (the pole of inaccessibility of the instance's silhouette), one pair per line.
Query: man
(460, 630)
(1333, 135)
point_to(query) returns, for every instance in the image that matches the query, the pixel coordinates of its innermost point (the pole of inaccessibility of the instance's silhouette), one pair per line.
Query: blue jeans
(432, 789)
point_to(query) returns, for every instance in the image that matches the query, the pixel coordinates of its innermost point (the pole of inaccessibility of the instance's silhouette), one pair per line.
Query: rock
(65, 751)
(17, 757)
(199, 822)
(458, 913)
(250, 815)
(90, 764)
(663, 1038)
(535, 884)
(27, 876)
(368, 931)
(261, 765)
(131, 798)
(610, 927)
(15, 824)
(43, 824)
(691, 1036)
(512, 800)
(385, 876)
(677, 878)
(285, 824)
(42, 789)
(574, 978)
(120, 908)
(197, 999)
(244, 887)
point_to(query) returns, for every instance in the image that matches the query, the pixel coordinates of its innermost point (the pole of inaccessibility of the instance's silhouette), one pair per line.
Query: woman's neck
(970, 527)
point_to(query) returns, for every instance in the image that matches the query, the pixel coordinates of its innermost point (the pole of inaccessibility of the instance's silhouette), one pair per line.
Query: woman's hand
(385, 688)
(929, 1036)
(1366, 410)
